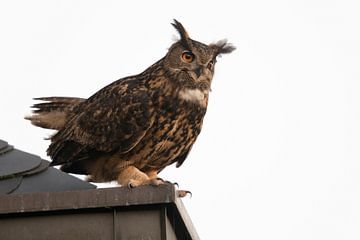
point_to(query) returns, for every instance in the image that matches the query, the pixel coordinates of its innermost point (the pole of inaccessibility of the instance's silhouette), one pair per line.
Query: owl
(132, 129)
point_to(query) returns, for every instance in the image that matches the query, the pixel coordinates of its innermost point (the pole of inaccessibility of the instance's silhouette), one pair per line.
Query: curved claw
(130, 186)
(160, 179)
(155, 181)
(190, 194)
(173, 183)
(183, 193)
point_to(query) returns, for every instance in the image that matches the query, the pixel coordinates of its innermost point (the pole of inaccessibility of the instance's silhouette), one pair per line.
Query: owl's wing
(180, 159)
(114, 119)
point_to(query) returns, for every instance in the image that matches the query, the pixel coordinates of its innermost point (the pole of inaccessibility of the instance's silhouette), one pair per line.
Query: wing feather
(114, 119)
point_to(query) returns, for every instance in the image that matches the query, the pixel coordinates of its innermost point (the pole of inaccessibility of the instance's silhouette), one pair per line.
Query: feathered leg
(133, 177)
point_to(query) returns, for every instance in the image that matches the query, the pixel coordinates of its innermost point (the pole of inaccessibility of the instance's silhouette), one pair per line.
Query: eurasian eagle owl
(133, 128)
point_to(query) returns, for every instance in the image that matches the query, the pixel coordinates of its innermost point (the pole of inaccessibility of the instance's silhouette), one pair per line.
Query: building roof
(146, 212)
(43, 202)
(22, 172)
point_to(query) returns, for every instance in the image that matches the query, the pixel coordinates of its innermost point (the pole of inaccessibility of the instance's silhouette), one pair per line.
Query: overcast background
(278, 156)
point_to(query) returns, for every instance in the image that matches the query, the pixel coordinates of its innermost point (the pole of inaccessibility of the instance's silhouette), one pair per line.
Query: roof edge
(85, 199)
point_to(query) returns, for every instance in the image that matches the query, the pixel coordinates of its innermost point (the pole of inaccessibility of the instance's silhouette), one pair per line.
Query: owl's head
(192, 62)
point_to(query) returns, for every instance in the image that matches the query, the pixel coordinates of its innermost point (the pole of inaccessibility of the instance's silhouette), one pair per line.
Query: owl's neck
(195, 96)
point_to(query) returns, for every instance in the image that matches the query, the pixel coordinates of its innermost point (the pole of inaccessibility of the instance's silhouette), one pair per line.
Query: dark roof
(146, 212)
(34, 197)
(22, 172)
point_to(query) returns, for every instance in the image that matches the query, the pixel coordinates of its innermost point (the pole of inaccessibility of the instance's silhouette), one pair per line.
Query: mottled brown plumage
(133, 128)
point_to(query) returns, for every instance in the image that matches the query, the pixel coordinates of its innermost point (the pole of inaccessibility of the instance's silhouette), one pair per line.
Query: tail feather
(54, 112)
(59, 99)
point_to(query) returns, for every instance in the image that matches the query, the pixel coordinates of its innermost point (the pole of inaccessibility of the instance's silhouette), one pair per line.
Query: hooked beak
(198, 71)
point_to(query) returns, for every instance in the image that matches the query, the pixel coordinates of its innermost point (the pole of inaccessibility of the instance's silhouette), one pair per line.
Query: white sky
(278, 157)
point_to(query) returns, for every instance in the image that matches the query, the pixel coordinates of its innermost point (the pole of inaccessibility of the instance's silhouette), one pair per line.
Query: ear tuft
(180, 28)
(184, 36)
(222, 47)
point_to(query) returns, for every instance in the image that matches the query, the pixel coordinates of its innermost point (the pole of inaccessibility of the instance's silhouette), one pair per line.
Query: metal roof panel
(51, 180)
(22, 172)
(16, 162)
(9, 185)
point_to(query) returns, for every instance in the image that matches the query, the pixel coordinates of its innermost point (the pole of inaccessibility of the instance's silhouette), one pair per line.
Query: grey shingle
(22, 172)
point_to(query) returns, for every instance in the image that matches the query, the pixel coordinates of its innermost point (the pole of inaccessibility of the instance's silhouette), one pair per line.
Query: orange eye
(187, 56)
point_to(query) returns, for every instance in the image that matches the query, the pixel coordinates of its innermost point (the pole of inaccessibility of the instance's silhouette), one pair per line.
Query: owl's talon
(172, 183)
(183, 193)
(130, 185)
(175, 184)
(160, 179)
(155, 182)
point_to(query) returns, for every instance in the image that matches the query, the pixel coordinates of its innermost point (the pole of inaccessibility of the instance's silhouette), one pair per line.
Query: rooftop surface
(154, 211)
(22, 172)
(34, 197)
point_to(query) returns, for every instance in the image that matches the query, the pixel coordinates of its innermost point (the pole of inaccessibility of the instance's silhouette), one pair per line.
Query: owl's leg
(152, 174)
(133, 177)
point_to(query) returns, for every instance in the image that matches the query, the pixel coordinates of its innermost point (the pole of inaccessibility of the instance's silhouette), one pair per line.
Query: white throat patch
(193, 95)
